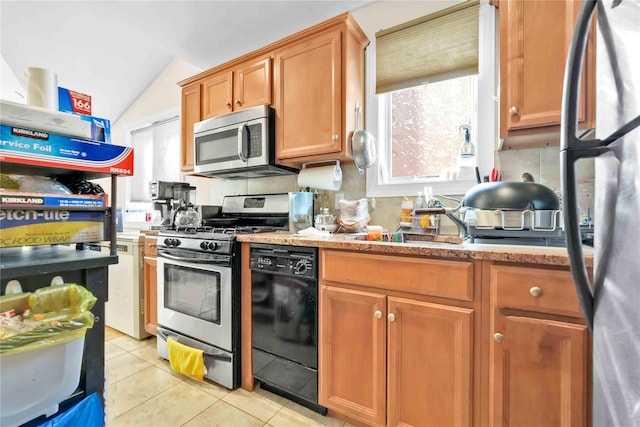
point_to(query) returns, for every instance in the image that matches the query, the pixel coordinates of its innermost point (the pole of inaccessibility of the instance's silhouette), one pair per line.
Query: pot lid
(511, 196)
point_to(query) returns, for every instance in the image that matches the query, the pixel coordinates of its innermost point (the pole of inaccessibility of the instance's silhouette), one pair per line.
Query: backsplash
(542, 163)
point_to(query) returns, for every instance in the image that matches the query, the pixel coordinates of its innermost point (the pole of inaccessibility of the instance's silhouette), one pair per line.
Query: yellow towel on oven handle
(186, 360)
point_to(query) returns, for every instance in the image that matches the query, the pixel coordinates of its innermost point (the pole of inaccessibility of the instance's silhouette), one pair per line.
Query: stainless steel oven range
(199, 286)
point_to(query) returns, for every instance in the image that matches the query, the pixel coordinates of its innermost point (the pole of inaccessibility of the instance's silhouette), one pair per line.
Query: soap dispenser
(467, 149)
(467, 158)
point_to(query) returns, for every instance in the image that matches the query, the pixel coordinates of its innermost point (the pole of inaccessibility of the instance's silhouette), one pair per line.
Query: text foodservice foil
(39, 148)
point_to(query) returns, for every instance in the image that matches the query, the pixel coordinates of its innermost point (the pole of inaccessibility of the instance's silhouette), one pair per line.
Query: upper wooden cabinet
(534, 41)
(318, 81)
(191, 103)
(244, 86)
(313, 79)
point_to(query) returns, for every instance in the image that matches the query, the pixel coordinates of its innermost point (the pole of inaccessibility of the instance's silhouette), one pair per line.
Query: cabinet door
(308, 96)
(150, 295)
(535, 38)
(217, 94)
(191, 103)
(352, 353)
(538, 374)
(430, 356)
(252, 84)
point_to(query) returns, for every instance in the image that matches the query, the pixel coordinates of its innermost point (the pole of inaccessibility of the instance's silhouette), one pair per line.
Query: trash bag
(49, 316)
(87, 413)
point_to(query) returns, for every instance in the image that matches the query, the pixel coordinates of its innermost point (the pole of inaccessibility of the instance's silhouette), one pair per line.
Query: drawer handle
(378, 314)
(514, 110)
(228, 104)
(238, 102)
(535, 291)
(391, 317)
(498, 337)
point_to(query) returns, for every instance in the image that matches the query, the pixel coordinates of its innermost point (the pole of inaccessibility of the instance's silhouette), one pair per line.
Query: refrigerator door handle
(570, 153)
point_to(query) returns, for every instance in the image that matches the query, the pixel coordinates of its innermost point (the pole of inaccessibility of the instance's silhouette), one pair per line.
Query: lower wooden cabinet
(394, 361)
(353, 353)
(390, 360)
(540, 349)
(429, 365)
(538, 373)
(411, 341)
(150, 285)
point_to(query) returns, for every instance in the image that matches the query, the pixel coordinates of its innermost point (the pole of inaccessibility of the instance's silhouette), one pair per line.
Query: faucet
(450, 213)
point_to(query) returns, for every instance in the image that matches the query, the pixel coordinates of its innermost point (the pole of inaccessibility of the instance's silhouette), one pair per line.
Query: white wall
(11, 89)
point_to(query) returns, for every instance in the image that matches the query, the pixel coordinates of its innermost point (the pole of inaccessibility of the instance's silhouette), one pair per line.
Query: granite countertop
(441, 249)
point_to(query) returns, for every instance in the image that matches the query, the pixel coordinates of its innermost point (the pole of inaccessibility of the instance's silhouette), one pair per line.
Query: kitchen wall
(162, 99)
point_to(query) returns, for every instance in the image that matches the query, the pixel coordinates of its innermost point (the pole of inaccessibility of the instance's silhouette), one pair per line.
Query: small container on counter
(407, 212)
(374, 233)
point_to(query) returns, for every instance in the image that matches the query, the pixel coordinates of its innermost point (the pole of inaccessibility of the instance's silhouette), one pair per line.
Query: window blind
(439, 46)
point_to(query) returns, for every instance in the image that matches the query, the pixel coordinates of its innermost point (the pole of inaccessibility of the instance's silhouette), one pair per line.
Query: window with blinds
(437, 47)
(427, 82)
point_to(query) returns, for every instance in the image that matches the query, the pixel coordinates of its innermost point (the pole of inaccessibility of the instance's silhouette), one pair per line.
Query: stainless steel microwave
(238, 145)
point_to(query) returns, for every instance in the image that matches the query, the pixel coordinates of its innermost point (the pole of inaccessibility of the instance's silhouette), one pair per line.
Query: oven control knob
(208, 246)
(172, 243)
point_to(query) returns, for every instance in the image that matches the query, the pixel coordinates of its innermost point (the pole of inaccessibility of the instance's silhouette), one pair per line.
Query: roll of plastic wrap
(42, 88)
(321, 177)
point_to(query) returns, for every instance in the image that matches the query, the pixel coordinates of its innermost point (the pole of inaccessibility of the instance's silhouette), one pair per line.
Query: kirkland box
(25, 198)
(30, 227)
(74, 102)
(40, 148)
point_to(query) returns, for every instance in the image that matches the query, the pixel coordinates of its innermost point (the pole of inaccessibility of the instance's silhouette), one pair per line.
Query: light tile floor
(142, 390)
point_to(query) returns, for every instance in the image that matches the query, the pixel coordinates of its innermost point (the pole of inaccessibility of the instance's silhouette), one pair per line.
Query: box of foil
(31, 227)
(40, 148)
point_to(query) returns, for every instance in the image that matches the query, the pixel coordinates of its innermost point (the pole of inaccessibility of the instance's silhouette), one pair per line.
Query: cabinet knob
(335, 137)
(237, 102)
(391, 317)
(514, 110)
(378, 314)
(498, 337)
(228, 104)
(535, 291)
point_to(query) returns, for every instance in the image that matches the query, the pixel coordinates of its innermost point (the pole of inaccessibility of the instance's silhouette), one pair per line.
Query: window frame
(485, 136)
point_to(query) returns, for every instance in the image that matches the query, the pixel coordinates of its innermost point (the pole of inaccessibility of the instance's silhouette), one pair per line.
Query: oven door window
(193, 292)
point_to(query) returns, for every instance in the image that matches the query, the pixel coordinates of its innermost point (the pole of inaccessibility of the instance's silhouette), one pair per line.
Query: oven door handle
(179, 258)
(216, 356)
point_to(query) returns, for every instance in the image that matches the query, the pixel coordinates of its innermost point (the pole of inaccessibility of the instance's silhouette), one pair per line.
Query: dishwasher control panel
(284, 261)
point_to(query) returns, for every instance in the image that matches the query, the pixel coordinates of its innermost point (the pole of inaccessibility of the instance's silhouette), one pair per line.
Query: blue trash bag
(87, 413)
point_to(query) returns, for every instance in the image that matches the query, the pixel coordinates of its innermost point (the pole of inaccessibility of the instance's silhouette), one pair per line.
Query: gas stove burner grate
(193, 230)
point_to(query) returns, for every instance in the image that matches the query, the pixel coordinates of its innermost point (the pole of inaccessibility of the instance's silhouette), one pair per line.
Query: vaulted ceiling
(113, 50)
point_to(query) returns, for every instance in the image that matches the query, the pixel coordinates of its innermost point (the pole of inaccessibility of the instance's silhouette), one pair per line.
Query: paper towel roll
(321, 177)
(42, 88)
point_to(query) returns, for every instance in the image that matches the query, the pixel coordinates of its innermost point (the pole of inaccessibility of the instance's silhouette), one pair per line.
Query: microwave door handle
(242, 142)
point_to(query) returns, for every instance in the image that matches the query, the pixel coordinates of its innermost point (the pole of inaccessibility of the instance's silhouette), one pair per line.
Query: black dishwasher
(284, 296)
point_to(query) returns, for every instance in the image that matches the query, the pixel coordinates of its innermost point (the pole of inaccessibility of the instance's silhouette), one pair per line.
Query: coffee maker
(167, 197)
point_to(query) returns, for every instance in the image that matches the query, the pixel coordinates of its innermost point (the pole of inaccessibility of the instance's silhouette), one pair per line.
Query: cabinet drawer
(534, 289)
(150, 246)
(441, 278)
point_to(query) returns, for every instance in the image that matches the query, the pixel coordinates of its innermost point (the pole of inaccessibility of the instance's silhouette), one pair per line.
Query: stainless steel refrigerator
(611, 304)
